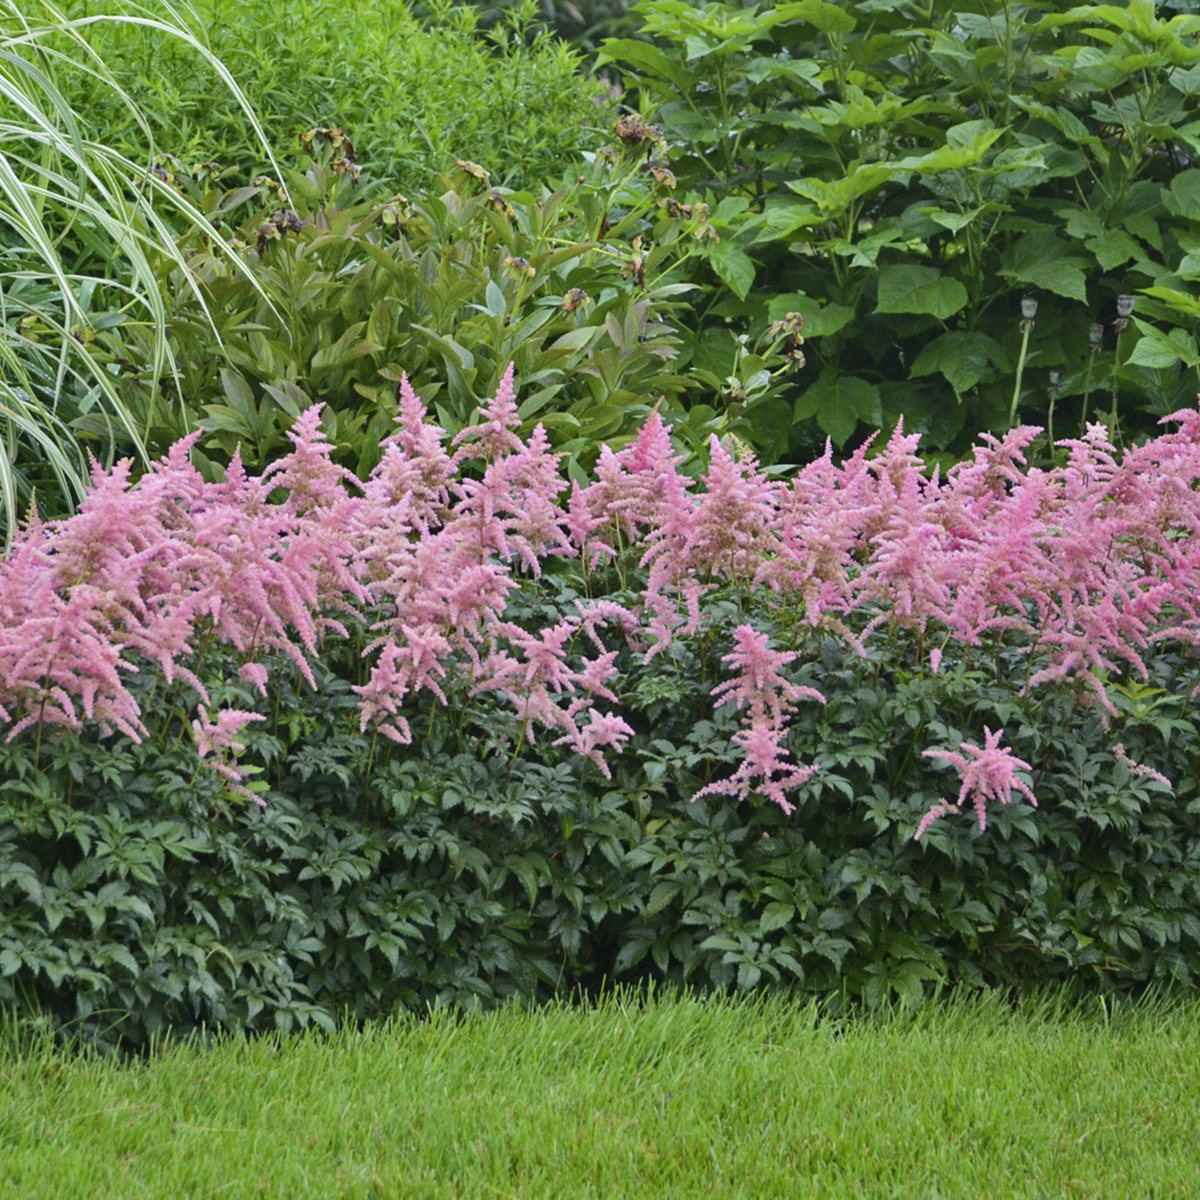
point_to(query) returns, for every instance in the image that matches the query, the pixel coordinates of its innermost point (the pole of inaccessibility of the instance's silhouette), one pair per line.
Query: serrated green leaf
(647, 60)
(735, 268)
(776, 915)
(908, 288)
(1042, 259)
(819, 320)
(1113, 247)
(964, 359)
(826, 18)
(661, 896)
(1159, 350)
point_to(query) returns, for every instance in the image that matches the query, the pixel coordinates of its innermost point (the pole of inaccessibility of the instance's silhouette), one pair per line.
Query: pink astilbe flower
(768, 698)
(640, 502)
(639, 487)
(513, 511)
(758, 685)
(255, 674)
(603, 731)
(221, 736)
(1086, 567)
(546, 690)
(726, 531)
(140, 569)
(493, 437)
(764, 770)
(598, 612)
(312, 478)
(989, 774)
(411, 483)
(581, 522)
(1140, 770)
(49, 661)
(1002, 559)
(401, 668)
(812, 561)
(911, 570)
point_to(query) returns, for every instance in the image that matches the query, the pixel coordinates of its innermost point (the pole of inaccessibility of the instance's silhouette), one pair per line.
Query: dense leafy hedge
(400, 822)
(134, 895)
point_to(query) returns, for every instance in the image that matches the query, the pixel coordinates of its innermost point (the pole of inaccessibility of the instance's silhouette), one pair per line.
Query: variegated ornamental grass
(81, 227)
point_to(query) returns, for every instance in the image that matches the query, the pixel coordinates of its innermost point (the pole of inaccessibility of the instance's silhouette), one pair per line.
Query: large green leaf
(835, 197)
(1158, 349)
(839, 404)
(966, 146)
(1182, 198)
(735, 268)
(647, 60)
(908, 288)
(963, 358)
(819, 320)
(1112, 247)
(1179, 301)
(827, 18)
(1043, 260)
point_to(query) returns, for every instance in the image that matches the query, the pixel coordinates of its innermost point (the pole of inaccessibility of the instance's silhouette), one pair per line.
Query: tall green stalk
(1028, 312)
(1124, 312)
(1095, 336)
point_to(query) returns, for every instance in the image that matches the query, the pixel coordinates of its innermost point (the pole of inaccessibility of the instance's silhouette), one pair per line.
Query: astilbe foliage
(1084, 568)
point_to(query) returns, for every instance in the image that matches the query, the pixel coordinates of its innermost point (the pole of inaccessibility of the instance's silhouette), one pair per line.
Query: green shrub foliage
(135, 894)
(414, 94)
(905, 175)
(333, 304)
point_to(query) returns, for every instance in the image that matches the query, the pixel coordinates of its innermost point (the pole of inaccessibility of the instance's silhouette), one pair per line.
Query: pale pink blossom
(988, 774)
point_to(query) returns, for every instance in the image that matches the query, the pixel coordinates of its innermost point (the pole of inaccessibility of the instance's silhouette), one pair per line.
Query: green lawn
(675, 1098)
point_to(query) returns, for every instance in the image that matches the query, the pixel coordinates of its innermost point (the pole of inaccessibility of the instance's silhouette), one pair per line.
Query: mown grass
(676, 1097)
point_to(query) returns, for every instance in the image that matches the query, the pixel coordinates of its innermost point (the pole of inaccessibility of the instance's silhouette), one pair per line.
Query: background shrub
(414, 94)
(448, 288)
(905, 177)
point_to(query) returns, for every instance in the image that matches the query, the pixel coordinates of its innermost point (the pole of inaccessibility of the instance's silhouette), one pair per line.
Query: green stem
(1112, 416)
(1087, 391)
(1026, 329)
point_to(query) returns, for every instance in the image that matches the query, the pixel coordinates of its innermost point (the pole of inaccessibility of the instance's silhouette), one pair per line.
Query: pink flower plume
(988, 774)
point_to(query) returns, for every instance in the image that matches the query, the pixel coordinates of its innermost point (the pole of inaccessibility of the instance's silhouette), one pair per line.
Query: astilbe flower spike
(220, 735)
(1088, 567)
(988, 774)
(768, 698)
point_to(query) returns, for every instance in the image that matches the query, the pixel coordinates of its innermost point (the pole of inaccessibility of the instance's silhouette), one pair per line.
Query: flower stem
(1026, 329)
